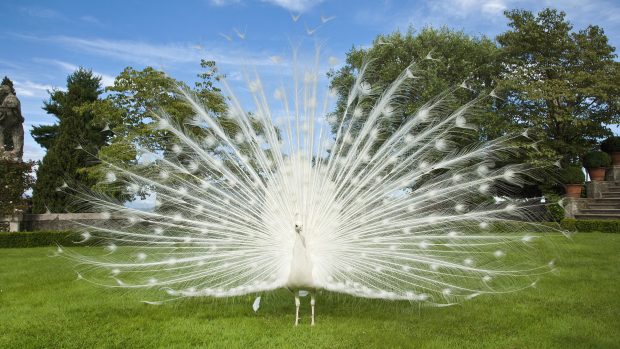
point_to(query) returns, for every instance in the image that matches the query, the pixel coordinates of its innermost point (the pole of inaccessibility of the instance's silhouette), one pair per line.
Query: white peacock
(308, 202)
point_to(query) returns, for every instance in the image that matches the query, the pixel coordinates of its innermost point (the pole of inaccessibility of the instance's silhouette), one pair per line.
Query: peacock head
(298, 227)
(297, 221)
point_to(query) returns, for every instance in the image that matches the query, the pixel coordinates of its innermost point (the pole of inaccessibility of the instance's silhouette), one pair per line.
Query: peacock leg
(297, 303)
(312, 303)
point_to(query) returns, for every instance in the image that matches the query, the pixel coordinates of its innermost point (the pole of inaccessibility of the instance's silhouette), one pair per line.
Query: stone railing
(602, 201)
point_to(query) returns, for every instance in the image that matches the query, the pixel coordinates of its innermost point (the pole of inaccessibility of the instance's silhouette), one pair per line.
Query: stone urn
(573, 190)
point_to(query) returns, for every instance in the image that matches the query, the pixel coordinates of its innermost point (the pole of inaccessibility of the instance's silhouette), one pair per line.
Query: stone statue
(11, 123)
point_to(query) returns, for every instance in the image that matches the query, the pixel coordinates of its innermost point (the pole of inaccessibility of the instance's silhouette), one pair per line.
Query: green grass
(42, 305)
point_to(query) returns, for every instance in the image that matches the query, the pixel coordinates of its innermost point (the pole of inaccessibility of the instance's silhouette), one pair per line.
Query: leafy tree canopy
(131, 109)
(444, 59)
(561, 84)
(15, 179)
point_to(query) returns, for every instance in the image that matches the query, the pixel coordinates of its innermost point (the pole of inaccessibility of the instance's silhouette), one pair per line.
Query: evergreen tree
(76, 137)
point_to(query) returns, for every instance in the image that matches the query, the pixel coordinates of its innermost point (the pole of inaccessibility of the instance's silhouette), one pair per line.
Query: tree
(561, 84)
(15, 179)
(70, 144)
(45, 135)
(130, 110)
(444, 59)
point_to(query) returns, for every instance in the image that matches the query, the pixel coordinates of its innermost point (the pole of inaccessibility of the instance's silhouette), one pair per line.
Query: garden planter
(573, 190)
(615, 158)
(597, 174)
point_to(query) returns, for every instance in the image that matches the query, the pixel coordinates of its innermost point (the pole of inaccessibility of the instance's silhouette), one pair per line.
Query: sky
(43, 41)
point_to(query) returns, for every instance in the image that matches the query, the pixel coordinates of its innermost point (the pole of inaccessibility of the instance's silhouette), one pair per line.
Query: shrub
(596, 159)
(611, 144)
(573, 175)
(555, 211)
(40, 238)
(604, 226)
(15, 179)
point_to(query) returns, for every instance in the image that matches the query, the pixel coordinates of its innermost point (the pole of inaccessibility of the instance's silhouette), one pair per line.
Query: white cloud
(32, 151)
(291, 5)
(31, 89)
(295, 5)
(11, 65)
(496, 7)
(464, 8)
(106, 80)
(41, 12)
(223, 2)
(131, 50)
(157, 54)
(90, 19)
(486, 16)
(146, 204)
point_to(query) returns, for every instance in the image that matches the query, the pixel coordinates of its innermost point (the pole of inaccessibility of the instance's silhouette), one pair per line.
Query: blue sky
(43, 41)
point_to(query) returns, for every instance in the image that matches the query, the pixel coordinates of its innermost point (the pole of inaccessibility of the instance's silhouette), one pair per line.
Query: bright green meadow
(42, 305)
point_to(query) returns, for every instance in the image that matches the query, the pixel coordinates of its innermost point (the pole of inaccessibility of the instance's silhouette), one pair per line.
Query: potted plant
(612, 147)
(595, 162)
(573, 178)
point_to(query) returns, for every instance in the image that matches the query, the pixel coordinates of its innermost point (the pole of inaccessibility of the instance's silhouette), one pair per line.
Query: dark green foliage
(561, 84)
(132, 108)
(572, 175)
(611, 144)
(45, 135)
(39, 238)
(603, 226)
(596, 159)
(75, 129)
(456, 58)
(555, 211)
(15, 179)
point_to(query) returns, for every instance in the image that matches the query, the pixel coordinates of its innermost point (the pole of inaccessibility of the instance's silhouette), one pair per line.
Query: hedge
(68, 238)
(603, 226)
(39, 238)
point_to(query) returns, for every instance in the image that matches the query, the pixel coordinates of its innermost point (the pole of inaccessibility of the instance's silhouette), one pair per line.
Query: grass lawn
(43, 306)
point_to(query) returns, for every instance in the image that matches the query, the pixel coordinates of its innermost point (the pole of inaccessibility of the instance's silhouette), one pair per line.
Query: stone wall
(54, 221)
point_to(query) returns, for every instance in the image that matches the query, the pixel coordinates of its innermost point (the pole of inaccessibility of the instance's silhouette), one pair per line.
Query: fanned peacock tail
(393, 212)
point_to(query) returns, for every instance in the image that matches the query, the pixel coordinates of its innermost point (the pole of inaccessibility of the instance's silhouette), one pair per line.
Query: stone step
(603, 206)
(611, 195)
(609, 201)
(597, 216)
(609, 211)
